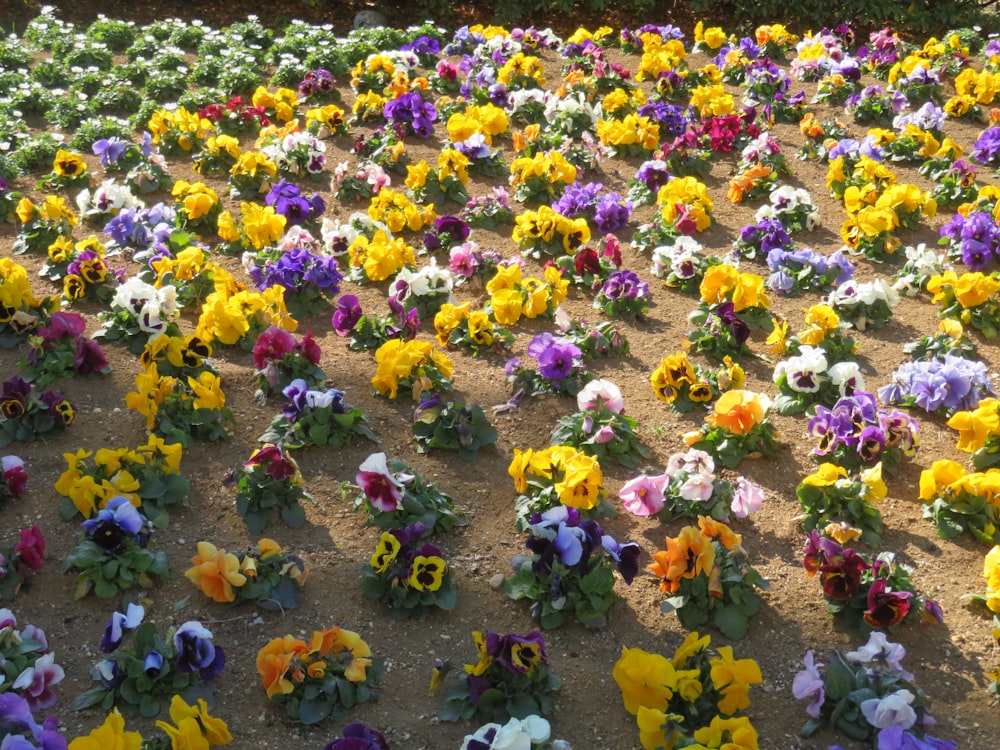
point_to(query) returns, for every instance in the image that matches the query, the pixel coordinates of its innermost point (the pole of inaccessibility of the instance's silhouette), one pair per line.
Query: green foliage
(906, 16)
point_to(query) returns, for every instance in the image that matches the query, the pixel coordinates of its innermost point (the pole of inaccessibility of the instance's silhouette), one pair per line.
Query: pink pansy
(31, 548)
(605, 435)
(378, 483)
(643, 496)
(697, 487)
(603, 391)
(747, 498)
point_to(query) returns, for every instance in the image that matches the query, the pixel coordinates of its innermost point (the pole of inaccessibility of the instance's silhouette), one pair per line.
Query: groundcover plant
(427, 388)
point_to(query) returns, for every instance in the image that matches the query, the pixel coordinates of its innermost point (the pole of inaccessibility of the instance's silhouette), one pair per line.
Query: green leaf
(314, 711)
(733, 622)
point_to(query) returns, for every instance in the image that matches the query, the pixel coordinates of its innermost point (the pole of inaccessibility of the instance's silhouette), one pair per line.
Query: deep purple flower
(196, 652)
(653, 174)
(358, 736)
(120, 624)
(625, 555)
(116, 523)
(611, 213)
(347, 314)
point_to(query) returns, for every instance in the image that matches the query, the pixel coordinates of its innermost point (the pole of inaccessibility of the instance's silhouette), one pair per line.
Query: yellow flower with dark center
(74, 287)
(581, 483)
(481, 328)
(385, 553)
(427, 573)
(68, 164)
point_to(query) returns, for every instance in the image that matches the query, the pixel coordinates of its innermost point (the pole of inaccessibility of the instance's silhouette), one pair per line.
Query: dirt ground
(950, 662)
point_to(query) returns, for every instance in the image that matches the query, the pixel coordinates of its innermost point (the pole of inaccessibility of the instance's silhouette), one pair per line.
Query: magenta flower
(31, 548)
(644, 495)
(273, 344)
(14, 476)
(380, 486)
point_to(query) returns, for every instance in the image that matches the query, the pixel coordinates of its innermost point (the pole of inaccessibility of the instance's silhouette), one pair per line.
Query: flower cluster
(140, 312)
(559, 475)
(957, 500)
(693, 697)
(396, 497)
(867, 695)
(600, 427)
(18, 562)
(154, 668)
(857, 432)
(939, 386)
(470, 331)
(327, 676)
(181, 409)
(689, 488)
(148, 475)
(569, 570)
(705, 571)
(13, 478)
(20, 310)
(530, 733)
(411, 367)
(683, 385)
(864, 304)
(875, 591)
(510, 679)
(269, 481)
(409, 575)
(27, 414)
(451, 425)
(315, 417)
(266, 575)
(737, 427)
(278, 359)
(29, 664)
(117, 534)
(972, 298)
(832, 495)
